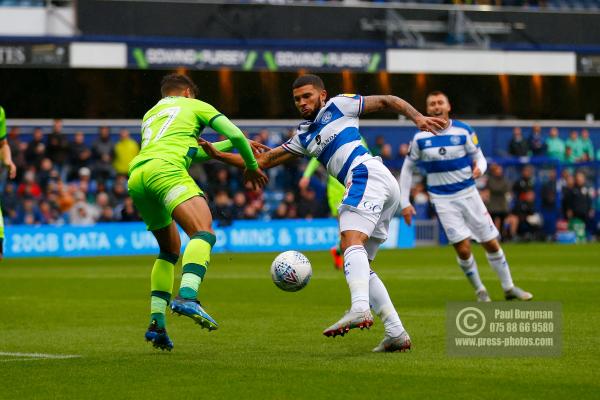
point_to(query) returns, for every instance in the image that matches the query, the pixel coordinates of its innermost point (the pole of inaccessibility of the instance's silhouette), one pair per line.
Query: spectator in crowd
(281, 212)
(289, 199)
(82, 213)
(36, 149)
(378, 146)
(106, 215)
(28, 213)
(102, 155)
(308, 206)
(403, 150)
(238, 206)
(518, 146)
(125, 150)
(17, 150)
(386, 152)
(575, 144)
(219, 182)
(80, 155)
(119, 189)
(57, 146)
(10, 203)
(265, 137)
(587, 147)
(524, 222)
(536, 144)
(222, 208)
(46, 173)
(555, 145)
(549, 193)
(127, 212)
(29, 188)
(499, 191)
(578, 201)
(525, 182)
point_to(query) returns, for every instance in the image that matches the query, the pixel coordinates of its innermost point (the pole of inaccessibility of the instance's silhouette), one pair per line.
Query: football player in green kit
(163, 191)
(6, 157)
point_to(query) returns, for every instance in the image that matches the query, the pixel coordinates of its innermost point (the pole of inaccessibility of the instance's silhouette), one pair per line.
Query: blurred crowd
(81, 178)
(71, 179)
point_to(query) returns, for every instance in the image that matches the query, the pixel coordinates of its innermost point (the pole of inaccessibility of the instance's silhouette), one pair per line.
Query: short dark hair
(308, 79)
(177, 82)
(437, 93)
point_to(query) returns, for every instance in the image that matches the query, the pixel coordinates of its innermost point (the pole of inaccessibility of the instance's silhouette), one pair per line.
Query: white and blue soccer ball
(291, 271)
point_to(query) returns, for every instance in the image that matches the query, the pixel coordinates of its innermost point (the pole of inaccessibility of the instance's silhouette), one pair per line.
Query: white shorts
(371, 200)
(465, 218)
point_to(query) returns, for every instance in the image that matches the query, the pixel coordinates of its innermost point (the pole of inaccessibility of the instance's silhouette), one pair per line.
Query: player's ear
(323, 95)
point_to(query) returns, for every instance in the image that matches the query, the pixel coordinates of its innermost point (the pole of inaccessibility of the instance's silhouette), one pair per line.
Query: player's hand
(431, 124)
(257, 147)
(12, 170)
(209, 149)
(257, 177)
(407, 213)
(303, 183)
(476, 170)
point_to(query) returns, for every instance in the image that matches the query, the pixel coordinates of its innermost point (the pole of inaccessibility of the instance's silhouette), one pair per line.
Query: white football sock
(383, 307)
(469, 267)
(356, 268)
(498, 263)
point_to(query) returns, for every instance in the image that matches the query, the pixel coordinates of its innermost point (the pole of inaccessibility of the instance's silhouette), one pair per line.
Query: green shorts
(335, 194)
(156, 188)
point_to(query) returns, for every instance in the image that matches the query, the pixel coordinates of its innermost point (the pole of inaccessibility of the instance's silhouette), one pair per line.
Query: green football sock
(1, 225)
(195, 262)
(161, 282)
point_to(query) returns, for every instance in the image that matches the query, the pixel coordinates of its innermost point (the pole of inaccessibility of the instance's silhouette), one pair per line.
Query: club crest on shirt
(327, 115)
(455, 140)
(442, 151)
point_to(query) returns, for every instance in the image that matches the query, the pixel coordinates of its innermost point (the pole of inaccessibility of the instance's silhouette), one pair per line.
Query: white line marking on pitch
(37, 356)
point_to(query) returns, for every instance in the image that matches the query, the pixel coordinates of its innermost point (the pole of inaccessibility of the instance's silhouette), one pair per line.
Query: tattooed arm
(400, 106)
(265, 160)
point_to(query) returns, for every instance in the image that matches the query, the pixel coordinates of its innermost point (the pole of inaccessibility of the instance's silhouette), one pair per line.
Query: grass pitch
(269, 345)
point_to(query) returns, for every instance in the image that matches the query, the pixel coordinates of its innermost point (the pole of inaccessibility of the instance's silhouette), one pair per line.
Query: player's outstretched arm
(405, 183)
(266, 160)
(227, 146)
(396, 104)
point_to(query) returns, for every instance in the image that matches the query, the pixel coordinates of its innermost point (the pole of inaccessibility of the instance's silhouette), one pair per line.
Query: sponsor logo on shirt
(455, 140)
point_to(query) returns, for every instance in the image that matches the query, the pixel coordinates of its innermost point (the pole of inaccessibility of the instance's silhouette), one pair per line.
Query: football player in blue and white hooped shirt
(452, 160)
(372, 196)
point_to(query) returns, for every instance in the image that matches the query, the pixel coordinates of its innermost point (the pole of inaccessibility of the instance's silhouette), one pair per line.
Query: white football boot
(350, 320)
(393, 344)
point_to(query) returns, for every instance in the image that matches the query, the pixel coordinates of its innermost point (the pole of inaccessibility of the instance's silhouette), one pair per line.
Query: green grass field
(269, 345)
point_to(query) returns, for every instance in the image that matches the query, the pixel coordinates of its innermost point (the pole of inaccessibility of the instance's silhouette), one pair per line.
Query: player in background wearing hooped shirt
(452, 161)
(330, 133)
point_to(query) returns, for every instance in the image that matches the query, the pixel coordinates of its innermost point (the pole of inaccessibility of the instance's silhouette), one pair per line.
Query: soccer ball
(291, 271)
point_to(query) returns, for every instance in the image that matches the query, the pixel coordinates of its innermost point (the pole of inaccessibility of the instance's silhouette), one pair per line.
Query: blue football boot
(193, 309)
(158, 337)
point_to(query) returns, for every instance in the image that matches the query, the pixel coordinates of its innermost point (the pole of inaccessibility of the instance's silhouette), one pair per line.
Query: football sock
(161, 284)
(469, 267)
(498, 263)
(356, 268)
(195, 262)
(383, 307)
